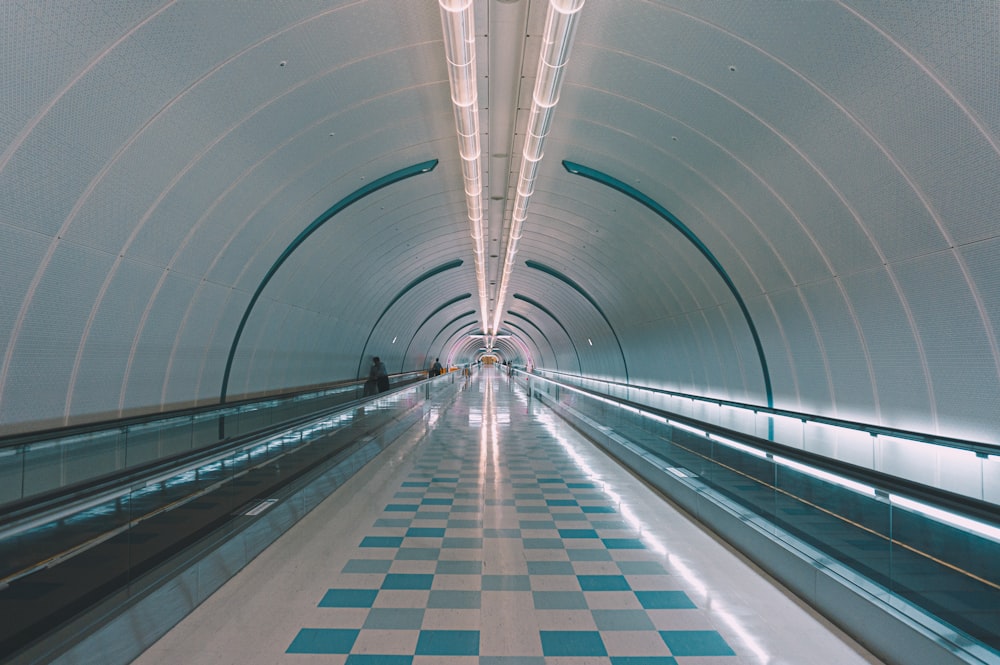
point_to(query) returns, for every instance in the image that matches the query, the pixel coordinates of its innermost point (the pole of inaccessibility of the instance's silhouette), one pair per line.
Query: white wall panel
(853, 389)
(195, 345)
(103, 361)
(156, 343)
(903, 389)
(42, 361)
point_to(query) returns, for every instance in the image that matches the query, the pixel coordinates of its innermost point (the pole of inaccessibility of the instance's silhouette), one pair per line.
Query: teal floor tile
(462, 543)
(402, 507)
(377, 659)
(418, 554)
(367, 566)
(323, 641)
(537, 524)
(397, 581)
(572, 643)
(432, 515)
(664, 600)
(410, 483)
(437, 502)
(396, 618)
(569, 517)
(578, 533)
(465, 524)
(603, 583)
(559, 600)
(459, 508)
(622, 620)
(550, 568)
(598, 510)
(623, 543)
(392, 522)
(561, 502)
(696, 643)
(641, 568)
(459, 568)
(425, 532)
(448, 643)
(348, 598)
(450, 599)
(543, 543)
(506, 583)
(381, 541)
(581, 485)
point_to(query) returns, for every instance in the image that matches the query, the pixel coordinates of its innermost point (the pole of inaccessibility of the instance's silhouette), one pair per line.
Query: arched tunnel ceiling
(840, 160)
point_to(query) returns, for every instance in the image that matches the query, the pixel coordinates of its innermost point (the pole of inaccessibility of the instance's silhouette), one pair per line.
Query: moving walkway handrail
(981, 448)
(39, 436)
(882, 482)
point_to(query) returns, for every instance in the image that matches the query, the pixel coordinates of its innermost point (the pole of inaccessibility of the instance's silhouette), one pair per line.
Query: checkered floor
(498, 547)
(493, 534)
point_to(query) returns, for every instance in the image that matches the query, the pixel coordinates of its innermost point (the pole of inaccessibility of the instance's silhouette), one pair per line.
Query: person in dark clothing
(436, 367)
(379, 374)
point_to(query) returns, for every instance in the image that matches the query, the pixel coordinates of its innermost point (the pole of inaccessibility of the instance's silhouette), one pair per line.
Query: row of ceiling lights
(460, 48)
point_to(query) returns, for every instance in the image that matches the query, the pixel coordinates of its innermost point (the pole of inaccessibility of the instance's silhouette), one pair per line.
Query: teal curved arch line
(579, 289)
(464, 296)
(636, 195)
(541, 307)
(526, 335)
(555, 356)
(353, 197)
(406, 289)
(458, 318)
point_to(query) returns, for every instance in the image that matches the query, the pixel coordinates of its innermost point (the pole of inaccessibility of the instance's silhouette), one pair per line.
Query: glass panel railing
(55, 564)
(35, 464)
(925, 458)
(924, 549)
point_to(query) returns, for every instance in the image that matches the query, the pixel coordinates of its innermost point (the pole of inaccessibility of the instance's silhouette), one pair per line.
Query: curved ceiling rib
(353, 197)
(464, 296)
(406, 289)
(579, 289)
(541, 307)
(639, 197)
(445, 327)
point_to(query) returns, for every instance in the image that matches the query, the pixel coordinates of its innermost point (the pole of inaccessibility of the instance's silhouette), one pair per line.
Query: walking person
(379, 373)
(436, 368)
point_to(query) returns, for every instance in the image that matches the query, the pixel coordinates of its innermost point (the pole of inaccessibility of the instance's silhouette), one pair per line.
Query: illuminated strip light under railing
(947, 517)
(458, 25)
(560, 27)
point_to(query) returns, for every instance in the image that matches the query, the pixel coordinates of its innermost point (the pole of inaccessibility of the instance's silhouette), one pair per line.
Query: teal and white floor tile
(497, 536)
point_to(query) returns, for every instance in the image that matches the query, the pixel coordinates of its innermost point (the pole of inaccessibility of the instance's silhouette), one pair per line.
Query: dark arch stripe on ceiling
(353, 197)
(579, 289)
(528, 336)
(555, 356)
(535, 303)
(445, 327)
(406, 289)
(636, 195)
(430, 316)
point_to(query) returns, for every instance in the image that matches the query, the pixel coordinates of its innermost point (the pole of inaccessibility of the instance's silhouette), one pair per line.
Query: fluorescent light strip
(947, 517)
(458, 26)
(557, 39)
